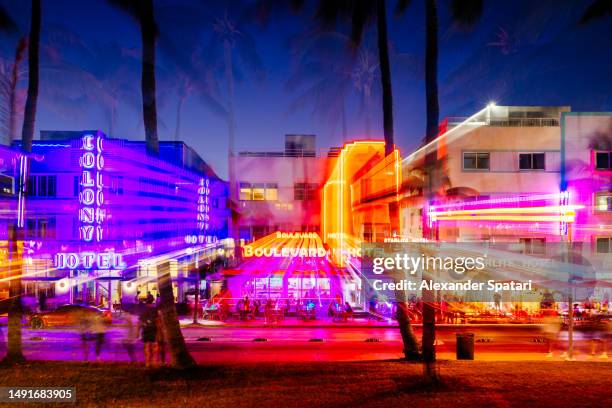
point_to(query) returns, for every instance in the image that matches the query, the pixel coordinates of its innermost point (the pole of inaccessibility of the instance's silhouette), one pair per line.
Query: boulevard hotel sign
(92, 212)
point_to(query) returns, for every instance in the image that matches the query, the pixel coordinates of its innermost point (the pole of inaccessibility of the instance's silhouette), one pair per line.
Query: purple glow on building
(101, 210)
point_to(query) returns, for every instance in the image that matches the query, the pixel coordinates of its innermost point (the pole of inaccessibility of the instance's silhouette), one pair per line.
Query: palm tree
(15, 316)
(360, 14)
(432, 119)
(597, 9)
(143, 11)
(13, 94)
(187, 70)
(9, 80)
(325, 76)
(196, 79)
(464, 13)
(102, 74)
(236, 53)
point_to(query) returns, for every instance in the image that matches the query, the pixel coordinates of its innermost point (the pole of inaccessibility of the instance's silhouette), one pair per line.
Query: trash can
(465, 346)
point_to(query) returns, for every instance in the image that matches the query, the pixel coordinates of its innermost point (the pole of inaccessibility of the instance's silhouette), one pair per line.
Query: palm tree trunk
(431, 70)
(231, 129)
(344, 127)
(19, 56)
(112, 120)
(179, 107)
(385, 76)
(149, 104)
(410, 343)
(15, 351)
(29, 116)
(229, 76)
(178, 349)
(431, 94)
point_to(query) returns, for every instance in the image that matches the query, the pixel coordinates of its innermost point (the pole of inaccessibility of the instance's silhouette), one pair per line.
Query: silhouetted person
(42, 301)
(147, 326)
(348, 310)
(85, 326)
(160, 339)
(98, 330)
(131, 336)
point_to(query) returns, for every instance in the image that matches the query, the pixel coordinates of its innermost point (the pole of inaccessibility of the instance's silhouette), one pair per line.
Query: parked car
(67, 315)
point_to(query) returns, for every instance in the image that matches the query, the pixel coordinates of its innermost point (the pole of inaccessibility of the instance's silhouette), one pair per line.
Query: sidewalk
(294, 323)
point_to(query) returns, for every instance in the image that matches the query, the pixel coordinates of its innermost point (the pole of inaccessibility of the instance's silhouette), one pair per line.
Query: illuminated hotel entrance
(292, 267)
(274, 287)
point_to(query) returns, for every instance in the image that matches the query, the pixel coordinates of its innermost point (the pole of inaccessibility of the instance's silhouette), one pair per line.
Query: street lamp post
(196, 302)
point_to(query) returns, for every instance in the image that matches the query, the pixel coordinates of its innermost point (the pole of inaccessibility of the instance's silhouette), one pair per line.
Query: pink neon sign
(91, 197)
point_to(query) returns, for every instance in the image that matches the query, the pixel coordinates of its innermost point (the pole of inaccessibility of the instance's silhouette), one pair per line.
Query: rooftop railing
(331, 152)
(507, 122)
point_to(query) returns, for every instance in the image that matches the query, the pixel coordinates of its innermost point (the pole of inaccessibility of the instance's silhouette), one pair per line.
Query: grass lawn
(369, 384)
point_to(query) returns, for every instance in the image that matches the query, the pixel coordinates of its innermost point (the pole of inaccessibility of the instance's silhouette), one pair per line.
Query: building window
(604, 245)
(284, 206)
(41, 228)
(52, 186)
(75, 186)
(533, 246)
(258, 192)
(42, 186)
(271, 192)
(603, 201)
(31, 186)
(246, 193)
(6, 185)
(475, 161)
(531, 161)
(305, 191)
(603, 161)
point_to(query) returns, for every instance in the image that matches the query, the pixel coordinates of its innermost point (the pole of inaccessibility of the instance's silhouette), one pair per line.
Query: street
(237, 344)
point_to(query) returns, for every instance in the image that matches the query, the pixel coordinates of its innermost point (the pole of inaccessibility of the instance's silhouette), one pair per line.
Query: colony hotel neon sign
(203, 205)
(88, 260)
(202, 215)
(91, 198)
(92, 213)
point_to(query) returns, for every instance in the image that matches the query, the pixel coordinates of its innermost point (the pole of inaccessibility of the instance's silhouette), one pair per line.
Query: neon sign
(203, 204)
(91, 198)
(89, 260)
(269, 252)
(564, 205)
(313, 235)
(202, 215)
